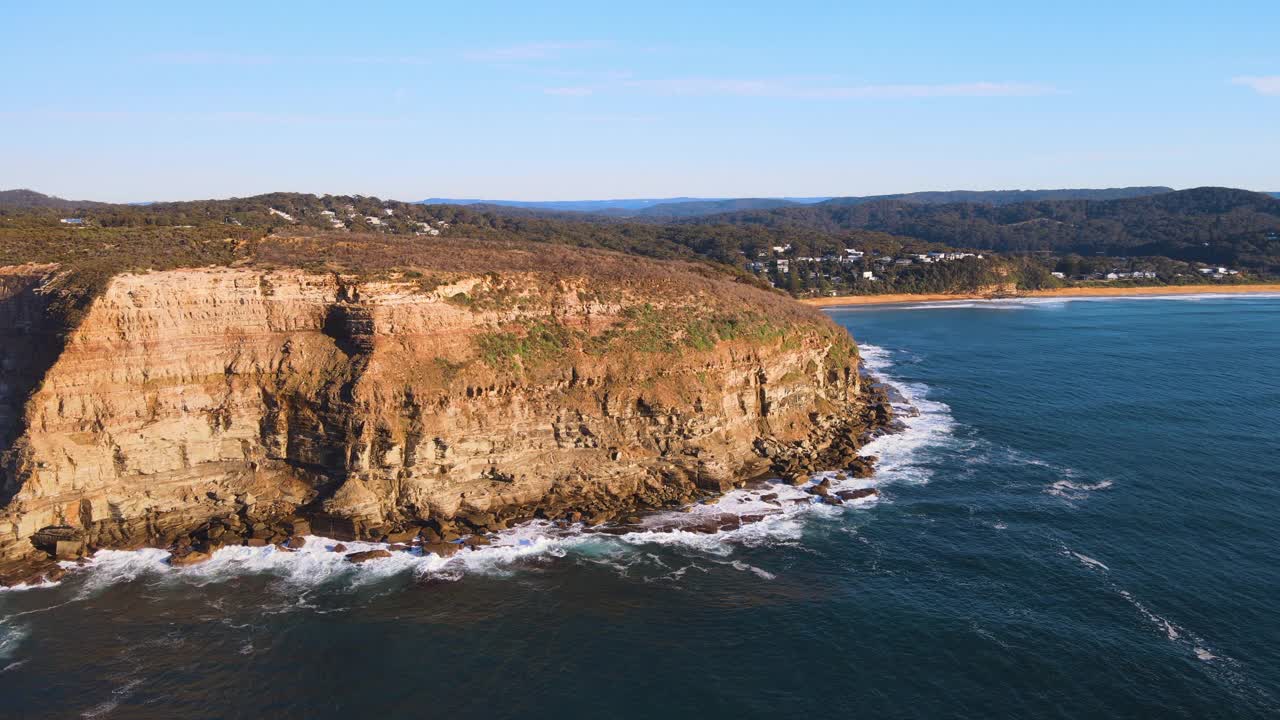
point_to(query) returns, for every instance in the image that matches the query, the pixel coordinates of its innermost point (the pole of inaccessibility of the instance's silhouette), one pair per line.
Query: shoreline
(1069, 292)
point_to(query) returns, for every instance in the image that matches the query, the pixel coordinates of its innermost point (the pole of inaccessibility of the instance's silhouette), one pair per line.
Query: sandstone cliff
(187, 399)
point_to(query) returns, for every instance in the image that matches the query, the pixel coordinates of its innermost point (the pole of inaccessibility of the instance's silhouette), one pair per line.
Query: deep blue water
(1084, 522)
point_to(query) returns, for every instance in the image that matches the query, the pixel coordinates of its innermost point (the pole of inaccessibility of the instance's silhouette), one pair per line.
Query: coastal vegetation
(1014, 240)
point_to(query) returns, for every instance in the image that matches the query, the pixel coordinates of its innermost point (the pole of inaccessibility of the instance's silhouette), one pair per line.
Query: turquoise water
(1081, 522)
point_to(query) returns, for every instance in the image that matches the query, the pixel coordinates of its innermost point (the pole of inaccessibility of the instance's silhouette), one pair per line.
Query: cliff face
(187, 396)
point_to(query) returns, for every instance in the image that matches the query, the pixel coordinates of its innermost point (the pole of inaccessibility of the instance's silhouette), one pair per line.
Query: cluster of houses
(1135, 275)
(424, 228)
(1211, 272)
(850, 256)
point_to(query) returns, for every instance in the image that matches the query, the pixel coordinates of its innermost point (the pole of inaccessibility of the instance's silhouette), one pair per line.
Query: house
(372, 220)
(285, 215)
(868, 275)
(388, 212)
(72, 221)
(784, 266)
(1111, 276)
(1060, 276)
(903, 261)
(852, 253)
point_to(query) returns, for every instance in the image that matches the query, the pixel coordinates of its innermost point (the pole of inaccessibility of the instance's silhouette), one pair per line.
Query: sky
(127, 101)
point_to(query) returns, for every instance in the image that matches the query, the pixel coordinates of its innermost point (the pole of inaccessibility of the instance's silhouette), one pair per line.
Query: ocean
(1081, 520)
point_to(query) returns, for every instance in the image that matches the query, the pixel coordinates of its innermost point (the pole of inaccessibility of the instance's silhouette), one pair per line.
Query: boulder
(191, 557)
(444, 550)
(338, 528)
(339, 548)
(367, 555)
(402, 536)
(296, 542)
(68, 549)
(847, 495)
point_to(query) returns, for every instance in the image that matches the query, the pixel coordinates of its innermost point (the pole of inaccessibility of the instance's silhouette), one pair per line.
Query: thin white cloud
(529, 51)
(1263, 85)
(801, 89)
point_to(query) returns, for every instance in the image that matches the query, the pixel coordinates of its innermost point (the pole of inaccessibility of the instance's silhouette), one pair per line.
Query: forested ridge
(802, 248)
(1211, 225)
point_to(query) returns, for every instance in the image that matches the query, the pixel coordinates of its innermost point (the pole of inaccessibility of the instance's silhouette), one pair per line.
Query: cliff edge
(196, 407)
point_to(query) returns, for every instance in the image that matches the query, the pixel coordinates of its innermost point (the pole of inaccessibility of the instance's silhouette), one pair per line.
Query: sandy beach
(897, 298)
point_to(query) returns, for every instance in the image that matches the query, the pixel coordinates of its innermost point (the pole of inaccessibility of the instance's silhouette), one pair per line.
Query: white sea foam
(1195, 645)
(1069, 490)
(901, 453)
(1088, 561)
(11, 637)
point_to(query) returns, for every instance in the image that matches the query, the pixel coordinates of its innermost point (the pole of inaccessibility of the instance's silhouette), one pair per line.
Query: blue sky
(148, 101)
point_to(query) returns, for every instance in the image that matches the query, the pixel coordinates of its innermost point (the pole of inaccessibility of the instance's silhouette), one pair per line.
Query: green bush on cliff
(538, 345)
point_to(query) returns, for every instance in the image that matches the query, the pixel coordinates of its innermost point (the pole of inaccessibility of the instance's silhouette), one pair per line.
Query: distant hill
(1216, 225)
(696, 208)
(663, 209)
(631, 207)
(20, 199)
(1005, 197)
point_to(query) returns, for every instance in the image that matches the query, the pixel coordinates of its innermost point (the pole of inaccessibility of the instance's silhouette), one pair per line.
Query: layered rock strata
(204, 406)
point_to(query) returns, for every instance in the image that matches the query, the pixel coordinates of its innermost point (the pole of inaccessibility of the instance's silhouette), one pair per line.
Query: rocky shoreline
(252, 524)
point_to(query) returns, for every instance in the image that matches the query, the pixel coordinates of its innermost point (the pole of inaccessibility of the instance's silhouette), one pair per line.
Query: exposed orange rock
(186, 397)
